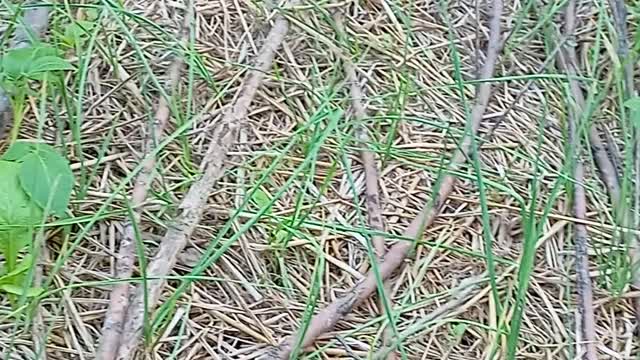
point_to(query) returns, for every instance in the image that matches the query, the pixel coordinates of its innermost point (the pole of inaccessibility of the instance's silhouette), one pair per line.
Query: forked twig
(192, 206)
(330, 315)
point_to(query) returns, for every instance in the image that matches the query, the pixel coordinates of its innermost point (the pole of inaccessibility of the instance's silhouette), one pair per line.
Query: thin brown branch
(330, 315)
(619, 10)
(119, 300)
(569, 64)
(371, 177)
(32, 26)
(606, 166)
(193, 204)
(583, 280)
(581, 239)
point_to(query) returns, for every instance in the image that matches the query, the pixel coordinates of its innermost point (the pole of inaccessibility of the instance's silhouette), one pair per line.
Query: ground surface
(299, 143)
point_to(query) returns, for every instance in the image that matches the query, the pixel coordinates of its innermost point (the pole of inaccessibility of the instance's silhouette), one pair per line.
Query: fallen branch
(603, 158)
(581, 239)
(119, 300)
(619, 10)
(372, 197)
(193, 204)
(330, 315)
(34, 23)
(608, 172)
(583, 280)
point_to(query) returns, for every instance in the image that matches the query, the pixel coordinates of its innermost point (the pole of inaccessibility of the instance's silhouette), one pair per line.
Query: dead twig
(119, 300)
(605, 160)
(330, 315)
(569, 64)
(619, 10)
(583, 280)
(193, 204)
(371, 177)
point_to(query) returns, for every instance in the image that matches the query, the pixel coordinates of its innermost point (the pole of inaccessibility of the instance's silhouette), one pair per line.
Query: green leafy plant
(77, 32)
(20, 66)
(34, 181)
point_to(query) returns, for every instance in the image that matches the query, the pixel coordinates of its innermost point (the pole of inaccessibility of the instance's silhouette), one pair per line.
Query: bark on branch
(581, 240)
(371, 178)
(619, 10)
(192, 206)
(334, 312)
(119, 298)
(567, 61)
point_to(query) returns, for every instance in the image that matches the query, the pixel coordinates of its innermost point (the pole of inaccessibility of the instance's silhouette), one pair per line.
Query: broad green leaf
(19, 290)
(11, 243)
(633, 103)
(16, 209)
(76, 32)
(18, 214)
(16, 61)
(18, 150)
(13, 276)
(91, 14)
(49, 63)
(19, 62)
(46, 177)
(281, 236)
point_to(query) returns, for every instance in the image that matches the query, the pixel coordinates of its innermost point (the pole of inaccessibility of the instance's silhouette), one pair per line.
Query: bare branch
(583, 280)
(193, 204)
(330, 315)
(119, 300)
(608, 171)
(371, 177)
(619, 10)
